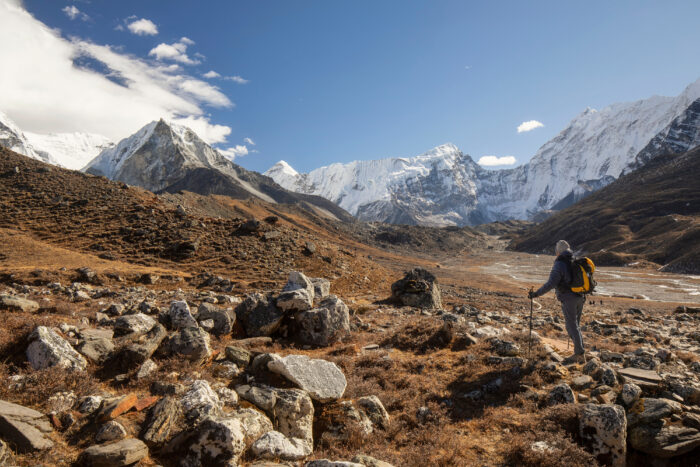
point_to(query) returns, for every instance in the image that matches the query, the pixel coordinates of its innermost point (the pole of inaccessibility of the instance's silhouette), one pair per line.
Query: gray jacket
(559, 278)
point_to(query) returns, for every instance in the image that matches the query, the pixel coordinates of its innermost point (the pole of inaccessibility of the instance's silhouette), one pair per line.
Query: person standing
(571, 303)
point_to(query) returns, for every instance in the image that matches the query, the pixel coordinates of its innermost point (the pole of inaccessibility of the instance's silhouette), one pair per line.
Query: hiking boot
(575, 358)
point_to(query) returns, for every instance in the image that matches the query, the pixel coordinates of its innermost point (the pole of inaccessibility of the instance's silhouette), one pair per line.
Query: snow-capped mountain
(70, 150)
(446, 187)
(13, 138)
(163, 156)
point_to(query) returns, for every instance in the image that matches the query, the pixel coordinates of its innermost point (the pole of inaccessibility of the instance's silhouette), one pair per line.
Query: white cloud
(143, 27)
(73, 12)
(234, 151)
(176, 51)
(47, 91)
(248, 141)
(529, 126)
(489, 161)
(237, 79)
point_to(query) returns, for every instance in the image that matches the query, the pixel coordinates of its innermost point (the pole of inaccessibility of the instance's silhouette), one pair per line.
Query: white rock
(274, 444)
(216, 442)
(603, 429)
(110, 431)
(227, 396)
(297, 295)
(148, 367)
(323, 380)
(181, 316)
(47, 349)
(200, 402)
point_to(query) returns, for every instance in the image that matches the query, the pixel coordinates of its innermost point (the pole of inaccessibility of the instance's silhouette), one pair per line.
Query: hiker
(571, 303)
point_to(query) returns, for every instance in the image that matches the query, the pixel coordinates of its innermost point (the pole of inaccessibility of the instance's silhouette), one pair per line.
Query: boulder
(122, 453)
(141, 348)
(630, 394)
(663, 440)
(254, 424)
(649, 410)
(223, 319)
(294, 414)
(161, 420)
(110, 431)
(375, 410)
(133, 324)
(297, 294)
(216, 442)
(112, 408)
(89, 404)
(228, 397)
(322, 288)
(561, 394)
(25, 428)
(504, 348)
(324, 325)
(238, 355)
(147, 369)
(262, 397)
(191, 343)
(323, 380)
(14, 303)
(200, 402)
(603, 429)
(259, 315)
(47, 349)
(96, 344)
(180, 316)
(419, 289)
(274, 444)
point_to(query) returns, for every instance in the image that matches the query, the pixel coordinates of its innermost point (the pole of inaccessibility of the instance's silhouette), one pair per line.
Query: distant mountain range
(446, 187)
(441, 187)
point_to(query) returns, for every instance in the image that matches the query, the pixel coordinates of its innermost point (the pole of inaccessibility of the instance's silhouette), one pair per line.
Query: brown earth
(54, 221)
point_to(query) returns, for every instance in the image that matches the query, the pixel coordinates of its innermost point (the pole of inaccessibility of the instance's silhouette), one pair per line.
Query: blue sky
(335, 81)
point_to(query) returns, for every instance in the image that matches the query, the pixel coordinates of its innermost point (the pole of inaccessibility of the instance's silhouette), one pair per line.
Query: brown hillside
(650, 214)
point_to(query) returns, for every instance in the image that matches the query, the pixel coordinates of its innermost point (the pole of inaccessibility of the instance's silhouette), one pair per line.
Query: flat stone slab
(122, 453)
(647, 376)
(14, 303)
(323, 380)
(24, 427)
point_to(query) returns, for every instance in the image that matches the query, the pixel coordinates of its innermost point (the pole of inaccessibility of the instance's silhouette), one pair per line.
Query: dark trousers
(572, 307)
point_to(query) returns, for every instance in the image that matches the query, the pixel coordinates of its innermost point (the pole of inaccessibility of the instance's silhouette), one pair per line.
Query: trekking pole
(529, 341)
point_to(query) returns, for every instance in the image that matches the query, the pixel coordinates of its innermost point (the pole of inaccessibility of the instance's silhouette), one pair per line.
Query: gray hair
(561, 247)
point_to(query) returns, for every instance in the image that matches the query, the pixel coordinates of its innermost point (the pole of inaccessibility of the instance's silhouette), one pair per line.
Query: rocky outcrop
(297, 294)
(419, 289)
(323, 325)
(259, 315)
(25, 428)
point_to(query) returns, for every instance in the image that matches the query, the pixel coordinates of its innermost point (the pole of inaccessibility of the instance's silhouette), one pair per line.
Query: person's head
(561, 247)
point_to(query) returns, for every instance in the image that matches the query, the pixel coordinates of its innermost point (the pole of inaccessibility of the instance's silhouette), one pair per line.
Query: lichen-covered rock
(603, 429)
(96, 344)
(161, 420)
(323, 325)
(630, 394)
(138, 323)
(368, 461)
(328, 463)
(504, 348)
(122, 453)
(216, 442)
(89, 404)
(46, 349)
(297, 294)
(375, 410)
(110, 431)
(419, 289)
(262, 397)
(561, 394)
(238, 355)
(649, 410)
(180, 315)
(200, 402)
(191, 343)
(254, 424)
(294, 414)
(663, 440)
(15, 303)
(323, 380)
(259, 315)
(274, 444)
(322, 288)
(223, 319)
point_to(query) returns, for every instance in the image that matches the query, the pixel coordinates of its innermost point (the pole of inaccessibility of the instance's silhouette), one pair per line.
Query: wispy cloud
(248, 141)
(176, 51)
(142, 27)
(489, 161)
(211, 74)
(94, 88)
(529, 126)
(74, 13)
